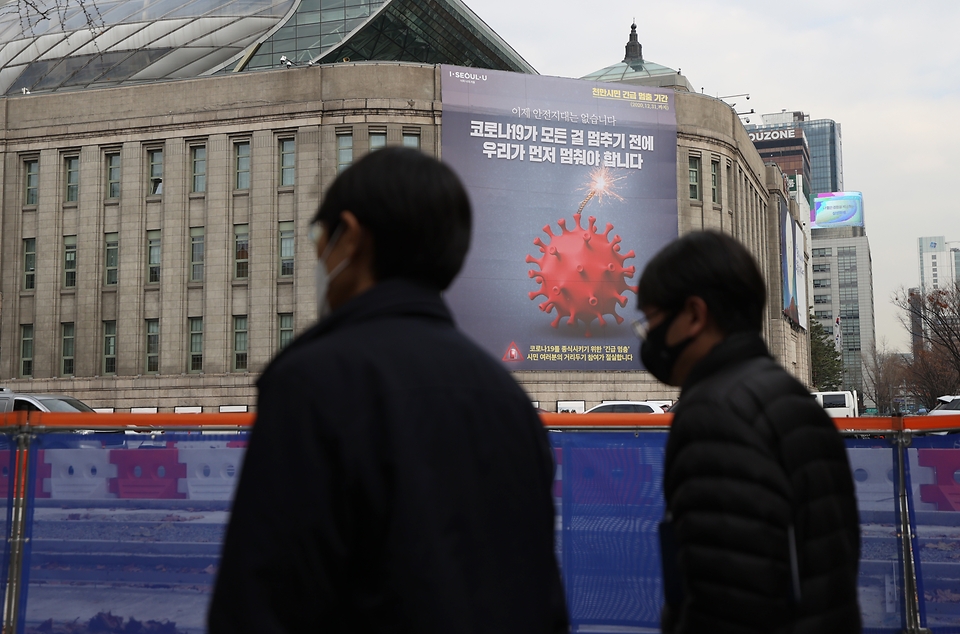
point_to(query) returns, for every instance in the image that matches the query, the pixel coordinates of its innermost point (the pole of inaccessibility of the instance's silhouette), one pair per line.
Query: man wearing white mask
(397, 478)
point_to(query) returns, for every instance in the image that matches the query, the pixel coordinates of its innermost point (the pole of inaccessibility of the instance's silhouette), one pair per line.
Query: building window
(715, 182)
(111, 243)
(198, 161)
(153, 346)
(822, 299)
(155, 160)
(288, 161)
(378, 140)
(240, 343)
(196, 254)
(241, 234)
(153, 257)
(821, 268)
(32, 193)
(113, 176)
(824, 283)
(411, 139)
(196, 344)
(26, 350)
(286, 249)
(69, 261)
(286, 329)
(109, 347)
(822, 314)
(694, 163)
(29, 264)
(71, 168)
(344, 150)
(822, 253)
(67, 337)
(243, 164)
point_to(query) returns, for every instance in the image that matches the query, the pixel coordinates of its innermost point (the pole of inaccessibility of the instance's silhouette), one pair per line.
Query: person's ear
(351, 235)
(698, 316)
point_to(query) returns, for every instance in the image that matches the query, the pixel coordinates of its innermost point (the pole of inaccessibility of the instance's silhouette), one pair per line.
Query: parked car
(11, 401)
(626, 407)
(946, 405)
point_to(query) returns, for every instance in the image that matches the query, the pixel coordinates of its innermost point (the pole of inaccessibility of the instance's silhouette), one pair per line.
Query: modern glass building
(51, 45)
(826, 146)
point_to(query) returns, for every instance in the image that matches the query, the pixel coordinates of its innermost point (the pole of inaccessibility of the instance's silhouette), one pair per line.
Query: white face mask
(322, 277)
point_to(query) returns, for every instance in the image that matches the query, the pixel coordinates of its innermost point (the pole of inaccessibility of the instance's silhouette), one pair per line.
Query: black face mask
(657, 356)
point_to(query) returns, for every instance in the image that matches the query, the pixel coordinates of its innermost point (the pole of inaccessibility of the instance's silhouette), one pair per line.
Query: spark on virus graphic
(581, 273)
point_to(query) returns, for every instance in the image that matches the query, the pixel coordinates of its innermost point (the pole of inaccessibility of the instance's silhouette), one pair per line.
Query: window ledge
(70, 204)
(285, 189)
(197, 195)
(111, 202)
(31, 293)
(194, 284)
(239, 193)
(111, 288)
(29, 208)
(238, 283)
(285, 280)
(72, 290)
(154, 198)
(151, 286)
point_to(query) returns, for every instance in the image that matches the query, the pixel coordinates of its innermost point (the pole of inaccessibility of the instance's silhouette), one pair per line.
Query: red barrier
(147, 474)
(945, 493)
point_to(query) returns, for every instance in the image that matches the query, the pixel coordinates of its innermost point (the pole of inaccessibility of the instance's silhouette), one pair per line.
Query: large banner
(574, 189)
(793, 268)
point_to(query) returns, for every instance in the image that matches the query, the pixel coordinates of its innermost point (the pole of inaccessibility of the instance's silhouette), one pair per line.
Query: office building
(825, 143)
(939, 262)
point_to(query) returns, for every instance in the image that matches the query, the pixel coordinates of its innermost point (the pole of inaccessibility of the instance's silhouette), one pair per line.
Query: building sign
(573, 186)
(775, 135)
(838, 209)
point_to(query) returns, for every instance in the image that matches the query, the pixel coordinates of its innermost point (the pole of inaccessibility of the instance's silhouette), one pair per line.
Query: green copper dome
(639, 72)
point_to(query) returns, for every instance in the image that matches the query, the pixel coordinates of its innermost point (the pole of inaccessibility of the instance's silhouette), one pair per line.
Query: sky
(888, 72)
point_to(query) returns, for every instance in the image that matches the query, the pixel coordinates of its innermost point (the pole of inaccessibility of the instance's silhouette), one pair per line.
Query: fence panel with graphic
(114, 521)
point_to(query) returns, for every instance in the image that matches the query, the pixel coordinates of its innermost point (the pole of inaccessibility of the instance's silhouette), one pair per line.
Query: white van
(839, 404)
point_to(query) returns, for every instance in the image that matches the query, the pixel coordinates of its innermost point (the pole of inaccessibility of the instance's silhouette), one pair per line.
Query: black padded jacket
(397, 480)
(755, 470)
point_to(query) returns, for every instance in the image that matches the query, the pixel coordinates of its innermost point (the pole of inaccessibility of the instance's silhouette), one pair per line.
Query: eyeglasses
(641, 327)
(315, 232)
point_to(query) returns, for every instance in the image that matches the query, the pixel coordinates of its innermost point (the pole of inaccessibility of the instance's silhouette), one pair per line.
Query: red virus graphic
(582, 275)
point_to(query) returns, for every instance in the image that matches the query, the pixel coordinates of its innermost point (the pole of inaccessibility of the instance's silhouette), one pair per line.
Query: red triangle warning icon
(513, 353)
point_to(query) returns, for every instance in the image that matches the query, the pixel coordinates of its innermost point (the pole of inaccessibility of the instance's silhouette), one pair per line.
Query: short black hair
(710, 265)
(416, 209)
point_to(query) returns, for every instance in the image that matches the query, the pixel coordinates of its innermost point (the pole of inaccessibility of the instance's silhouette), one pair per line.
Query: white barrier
(212, 473)
(77, 474)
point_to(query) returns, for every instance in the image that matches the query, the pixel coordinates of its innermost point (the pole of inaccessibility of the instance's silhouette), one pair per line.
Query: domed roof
(639, 72)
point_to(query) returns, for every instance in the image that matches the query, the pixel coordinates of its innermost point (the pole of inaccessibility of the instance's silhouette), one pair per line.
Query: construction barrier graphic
(128, 524)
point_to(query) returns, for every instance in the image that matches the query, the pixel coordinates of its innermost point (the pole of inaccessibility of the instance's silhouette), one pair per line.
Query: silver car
(11, 401)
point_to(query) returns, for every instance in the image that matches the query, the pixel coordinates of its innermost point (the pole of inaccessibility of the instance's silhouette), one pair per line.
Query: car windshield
(64, 404)
(953, 405)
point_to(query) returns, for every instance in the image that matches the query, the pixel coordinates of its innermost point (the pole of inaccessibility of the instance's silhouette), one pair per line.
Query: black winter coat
(750, 454)
(397, 480)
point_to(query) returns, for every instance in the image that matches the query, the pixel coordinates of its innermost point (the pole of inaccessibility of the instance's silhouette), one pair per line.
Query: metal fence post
(911, 603)
(16, 532)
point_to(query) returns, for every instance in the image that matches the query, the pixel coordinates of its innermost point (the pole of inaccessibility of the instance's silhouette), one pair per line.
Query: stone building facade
(153, 248)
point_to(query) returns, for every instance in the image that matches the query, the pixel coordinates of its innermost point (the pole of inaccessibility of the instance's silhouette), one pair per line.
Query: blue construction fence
(121, 531)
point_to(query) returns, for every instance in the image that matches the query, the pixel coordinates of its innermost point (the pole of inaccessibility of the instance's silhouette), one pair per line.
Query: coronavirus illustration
(581, 272)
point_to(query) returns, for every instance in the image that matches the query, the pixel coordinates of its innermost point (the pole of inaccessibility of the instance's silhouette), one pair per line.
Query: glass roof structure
(48, 45)
(425, 31)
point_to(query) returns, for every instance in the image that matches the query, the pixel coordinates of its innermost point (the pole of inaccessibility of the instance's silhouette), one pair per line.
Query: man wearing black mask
(761, 532)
